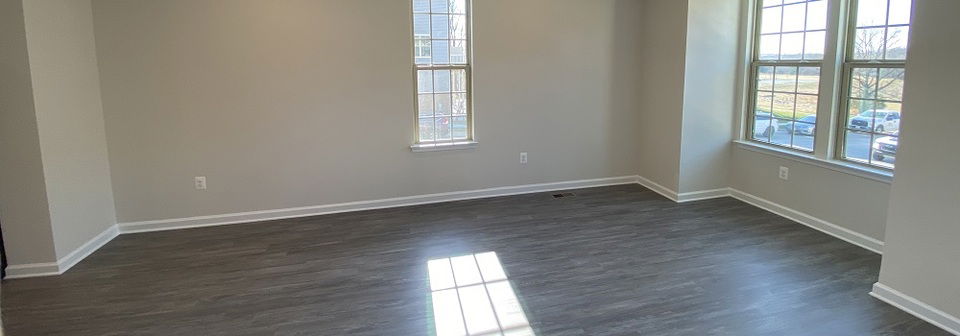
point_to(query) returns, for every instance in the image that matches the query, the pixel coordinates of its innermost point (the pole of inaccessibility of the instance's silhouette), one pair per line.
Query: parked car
(886, 147)
(764, 125)
(887, 121)
(805, 126)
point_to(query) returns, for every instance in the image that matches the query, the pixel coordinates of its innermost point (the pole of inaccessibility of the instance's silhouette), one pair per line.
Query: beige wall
(23, 200)
(66, 89)
(849, 201)
(664, 33)
(922, 257)
(297, 103)
(710, 88)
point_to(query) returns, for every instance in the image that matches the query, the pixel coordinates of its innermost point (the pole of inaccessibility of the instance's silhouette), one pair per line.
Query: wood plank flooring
(616, 260)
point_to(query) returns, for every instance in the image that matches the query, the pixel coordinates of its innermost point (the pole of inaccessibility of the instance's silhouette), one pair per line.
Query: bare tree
(871, 44)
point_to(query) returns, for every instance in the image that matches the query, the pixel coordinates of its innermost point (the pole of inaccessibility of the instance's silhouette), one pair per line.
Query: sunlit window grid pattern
(788, 57)
(471, 295)
(872, 101)
(442, 70)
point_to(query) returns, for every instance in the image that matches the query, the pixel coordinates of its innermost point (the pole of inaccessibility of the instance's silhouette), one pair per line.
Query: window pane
(458, 52)
(769, 47)
(765, 78)
(458, 27)
(421, 25)
(890, 85)
(443, 129)
(817, 15)
(425, 105)
(786, 79)
(808, 80)
(426, 129)
(772, 2)
(794, 17)
(857, 146)
(888, 118)
(459, 80)
(791, 46)
(458, 6)
(863, 83)
(763, 126)
(813, 48)
(764, 102)
(770, 20)
(459, 128)
(803, 133)
(783, 105)
(896, 48)
(868, 43)
(439, 6)
(442, 104)
(871, 13)
(441, 52)
(441, 81)
(459, 103)
(806, 105)
(440, 26)
(860, 115)
(425, 81)
(900, 12)
(781, 137)
(884, 151)
(421, 6)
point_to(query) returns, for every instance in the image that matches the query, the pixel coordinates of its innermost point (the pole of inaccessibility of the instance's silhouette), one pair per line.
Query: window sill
(874, 174)
(445, 146)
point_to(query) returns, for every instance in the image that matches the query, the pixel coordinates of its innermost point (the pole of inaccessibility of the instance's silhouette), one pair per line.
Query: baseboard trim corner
(658, 188)
(277, 214)
(68, 261)
(848, 235)
(85, 250)
(916, 308)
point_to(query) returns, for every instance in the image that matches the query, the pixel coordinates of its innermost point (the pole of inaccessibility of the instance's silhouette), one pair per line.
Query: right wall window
(871, 108)
(827, 78)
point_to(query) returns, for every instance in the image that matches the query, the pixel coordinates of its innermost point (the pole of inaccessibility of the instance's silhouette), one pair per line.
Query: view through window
(791, 40)
(441, 39)
(873, 95)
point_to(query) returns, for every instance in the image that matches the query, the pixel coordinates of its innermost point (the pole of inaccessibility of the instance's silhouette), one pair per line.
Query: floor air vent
(563, 195)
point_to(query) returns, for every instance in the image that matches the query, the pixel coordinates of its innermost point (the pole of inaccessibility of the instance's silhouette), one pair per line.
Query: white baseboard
(683, 197)
(257, 216)
(32, 270)
(702, 195)
(917, 308)
(65, 263)
(848, 235)
(87, 248)
(656, 187)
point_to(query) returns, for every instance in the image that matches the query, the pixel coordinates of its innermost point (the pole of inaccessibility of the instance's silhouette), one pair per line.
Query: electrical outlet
(523, 157)
(784, 173)
(200, 182)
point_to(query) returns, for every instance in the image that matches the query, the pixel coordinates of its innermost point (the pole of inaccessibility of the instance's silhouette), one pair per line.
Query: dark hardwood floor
(616, 260)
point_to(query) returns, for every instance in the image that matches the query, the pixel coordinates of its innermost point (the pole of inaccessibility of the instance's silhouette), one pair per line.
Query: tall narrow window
(441, 40)
(873, 74)
(786, 67)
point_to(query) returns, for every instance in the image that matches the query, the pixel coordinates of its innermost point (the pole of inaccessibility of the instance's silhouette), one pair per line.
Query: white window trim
(454, 144)
(826, 147)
